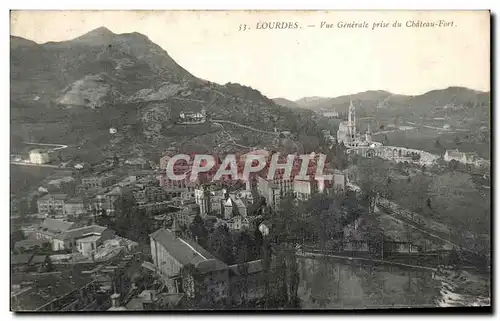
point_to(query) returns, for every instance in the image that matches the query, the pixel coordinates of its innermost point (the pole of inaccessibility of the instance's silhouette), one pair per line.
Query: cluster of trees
(229, 247)
(450, 197)
(128, 220)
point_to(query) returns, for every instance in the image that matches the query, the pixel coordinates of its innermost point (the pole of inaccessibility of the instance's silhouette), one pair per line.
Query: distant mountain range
(370, 100)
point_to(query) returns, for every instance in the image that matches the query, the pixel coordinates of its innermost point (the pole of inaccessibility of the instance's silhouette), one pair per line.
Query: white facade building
(39, 156)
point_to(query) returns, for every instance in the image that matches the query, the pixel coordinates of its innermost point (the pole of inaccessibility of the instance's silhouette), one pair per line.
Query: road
(244, 126)
(58, 146)
(34, 165)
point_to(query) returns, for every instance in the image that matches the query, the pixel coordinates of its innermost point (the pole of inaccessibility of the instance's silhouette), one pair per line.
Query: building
(247, 282)
(461, 157)
(106, 198)
(75, 206)
(39, 156)
(192, 117)
(331, 114)
(273, 190)
(185, 214)
(210, 200)
(85, 239)
(144, 194)
(50, 228)
(203, 273)
(28, 262)
(149, 300)
(302, 190)
(58, 291)
(339, 182)
(348, 135)
(237, 223)
(98, 181)
(52, 205)
(155, 207)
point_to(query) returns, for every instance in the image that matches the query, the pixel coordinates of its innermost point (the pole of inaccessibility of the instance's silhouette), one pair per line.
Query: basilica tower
(352, 121)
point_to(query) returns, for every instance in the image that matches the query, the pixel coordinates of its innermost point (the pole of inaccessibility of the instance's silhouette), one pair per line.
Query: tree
(129, 220)
(220, 243)
(372, 177)
(415, 193)
(438, 145)
(386, 139)
(198, 230)
(462, 206)
(246, 247)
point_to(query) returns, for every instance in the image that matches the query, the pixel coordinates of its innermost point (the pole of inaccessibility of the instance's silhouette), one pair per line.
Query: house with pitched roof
(85, 239)
(50, 228)
(187, 267)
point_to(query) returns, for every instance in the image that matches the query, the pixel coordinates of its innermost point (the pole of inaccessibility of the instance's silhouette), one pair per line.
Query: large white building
(347, 132)
(39, 156)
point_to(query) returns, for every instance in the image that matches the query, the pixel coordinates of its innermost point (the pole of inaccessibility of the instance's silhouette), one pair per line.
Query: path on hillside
(231, 139)
(34, 165)
(244, 126)
(59, 146)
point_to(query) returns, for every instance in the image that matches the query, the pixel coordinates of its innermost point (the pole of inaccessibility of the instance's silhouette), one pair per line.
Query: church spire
(352, 120)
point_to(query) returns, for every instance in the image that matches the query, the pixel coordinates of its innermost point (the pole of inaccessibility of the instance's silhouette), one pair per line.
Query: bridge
(396, 154)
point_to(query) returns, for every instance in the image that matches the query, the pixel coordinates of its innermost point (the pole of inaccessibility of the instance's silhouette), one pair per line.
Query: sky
(302, 62)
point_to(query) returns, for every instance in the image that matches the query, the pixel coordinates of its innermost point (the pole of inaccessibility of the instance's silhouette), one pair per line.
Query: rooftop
(81, 231)
(21, 258)
(55, 225)
(38, 150)
(89, 239)
(251, 267)
(61, 197)
(47, 287)
(187, 252)
(75, 200)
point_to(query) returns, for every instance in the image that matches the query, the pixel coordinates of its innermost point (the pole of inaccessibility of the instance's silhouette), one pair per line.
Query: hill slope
(74, 91)
(286, 102)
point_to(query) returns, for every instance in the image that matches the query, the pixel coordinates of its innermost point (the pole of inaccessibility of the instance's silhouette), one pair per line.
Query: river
(330, 284)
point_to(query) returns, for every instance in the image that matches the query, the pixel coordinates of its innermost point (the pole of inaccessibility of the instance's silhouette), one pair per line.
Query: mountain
(130, 61)
(370, 102)
(74, 91)
(18, 42)
(311, 102)
(286, 103)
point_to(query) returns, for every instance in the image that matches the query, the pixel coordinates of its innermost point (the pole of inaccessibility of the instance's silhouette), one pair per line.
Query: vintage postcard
(249, 160)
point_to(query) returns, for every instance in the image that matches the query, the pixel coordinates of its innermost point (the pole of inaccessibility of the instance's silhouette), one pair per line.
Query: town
(136, 238)
(137, 186)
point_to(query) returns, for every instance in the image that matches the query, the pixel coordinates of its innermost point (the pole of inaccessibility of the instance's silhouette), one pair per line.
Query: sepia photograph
(250, 160)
